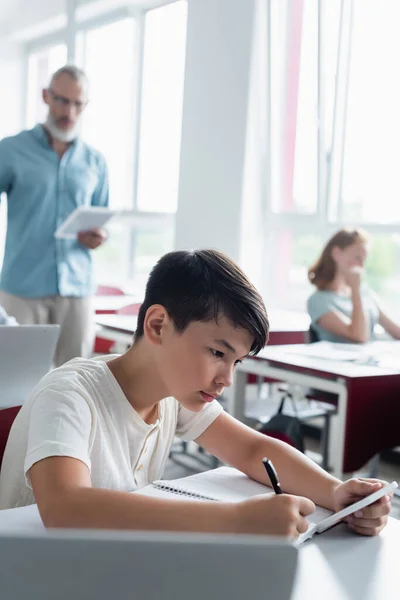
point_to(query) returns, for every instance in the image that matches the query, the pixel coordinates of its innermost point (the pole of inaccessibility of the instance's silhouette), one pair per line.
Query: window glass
(371, 185)
(161, 108)
(41, 66)
(108, 120)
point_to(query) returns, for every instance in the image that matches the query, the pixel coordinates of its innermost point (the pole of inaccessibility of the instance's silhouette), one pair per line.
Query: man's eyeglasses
(64, 102)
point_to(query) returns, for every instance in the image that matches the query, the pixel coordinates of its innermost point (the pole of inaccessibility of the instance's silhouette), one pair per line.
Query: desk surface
(298, 355)
(107, 304)
(336, 565)
(339, 565)
(280, 321)
(368, 410)
(120, 323)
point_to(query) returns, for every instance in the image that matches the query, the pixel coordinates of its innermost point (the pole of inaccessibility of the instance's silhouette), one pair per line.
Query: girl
(343, 309)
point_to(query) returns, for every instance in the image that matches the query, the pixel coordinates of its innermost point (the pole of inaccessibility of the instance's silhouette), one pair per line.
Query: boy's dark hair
(203, 285)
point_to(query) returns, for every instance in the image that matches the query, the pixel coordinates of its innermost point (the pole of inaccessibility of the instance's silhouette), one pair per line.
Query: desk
(110, 304)
(116, 328)
(337, 565)
(287, 327)
(368, 417)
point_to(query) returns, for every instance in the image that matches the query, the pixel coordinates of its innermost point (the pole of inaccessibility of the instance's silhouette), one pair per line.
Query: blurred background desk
(368, 407)
(287, 327)
(111, 304)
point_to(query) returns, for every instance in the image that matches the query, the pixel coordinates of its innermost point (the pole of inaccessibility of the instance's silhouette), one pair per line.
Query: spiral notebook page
(224, 484)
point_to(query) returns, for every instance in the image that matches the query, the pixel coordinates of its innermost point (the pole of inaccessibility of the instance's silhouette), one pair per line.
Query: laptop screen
(26, 355)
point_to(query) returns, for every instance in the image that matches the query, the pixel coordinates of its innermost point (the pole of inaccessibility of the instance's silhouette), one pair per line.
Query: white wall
(11, 78)
(11, 113)
(214, 127)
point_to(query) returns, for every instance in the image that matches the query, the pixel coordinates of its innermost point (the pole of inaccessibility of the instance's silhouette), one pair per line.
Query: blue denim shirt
(323, 301)
(42, 190)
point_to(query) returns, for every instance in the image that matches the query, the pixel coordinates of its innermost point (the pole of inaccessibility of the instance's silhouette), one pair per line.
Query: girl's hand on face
(354, 277)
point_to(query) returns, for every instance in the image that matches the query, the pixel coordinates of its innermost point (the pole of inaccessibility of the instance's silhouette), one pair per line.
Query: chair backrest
(109, 290)
(313, 335)
(7, 416)
(27, 356)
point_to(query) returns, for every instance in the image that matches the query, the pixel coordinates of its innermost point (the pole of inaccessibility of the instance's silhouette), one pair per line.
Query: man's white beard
(60, 134)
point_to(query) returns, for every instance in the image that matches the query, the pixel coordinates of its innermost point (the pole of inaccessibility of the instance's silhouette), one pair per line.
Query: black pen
(273, 476)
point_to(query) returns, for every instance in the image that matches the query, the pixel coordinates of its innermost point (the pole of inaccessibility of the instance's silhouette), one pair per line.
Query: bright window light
(41, 65)
(161, 108)
(108, 55)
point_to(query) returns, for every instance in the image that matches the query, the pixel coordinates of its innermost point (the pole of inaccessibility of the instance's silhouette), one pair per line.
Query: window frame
(329, 214)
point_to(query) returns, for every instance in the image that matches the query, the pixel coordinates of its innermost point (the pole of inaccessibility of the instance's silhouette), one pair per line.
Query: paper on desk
(84, 218)
(385, 354)
(26, 519)
(224, 484)
(227, 485)
(331, 351)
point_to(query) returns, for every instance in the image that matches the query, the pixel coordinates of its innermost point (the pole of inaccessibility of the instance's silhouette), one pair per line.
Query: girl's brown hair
(323, 271)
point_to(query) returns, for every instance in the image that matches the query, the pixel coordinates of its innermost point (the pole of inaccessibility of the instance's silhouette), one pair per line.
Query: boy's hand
(371, 519)
(279, 514)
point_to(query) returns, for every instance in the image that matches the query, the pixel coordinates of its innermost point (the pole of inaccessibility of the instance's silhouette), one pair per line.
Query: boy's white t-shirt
(80, 411)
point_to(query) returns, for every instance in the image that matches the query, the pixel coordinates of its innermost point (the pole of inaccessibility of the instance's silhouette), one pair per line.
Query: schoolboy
(95, 430)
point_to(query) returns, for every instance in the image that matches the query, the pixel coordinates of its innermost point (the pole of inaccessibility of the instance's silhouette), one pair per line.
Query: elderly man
(46, 173)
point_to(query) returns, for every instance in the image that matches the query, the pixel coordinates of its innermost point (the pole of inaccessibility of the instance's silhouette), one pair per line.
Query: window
(294, 107)
(41, 65)
(107, 55)
(112, 259)
(149, 244)
(383, 269)
(287, 286)
(371, 185)
(161, 108)
(305, 184)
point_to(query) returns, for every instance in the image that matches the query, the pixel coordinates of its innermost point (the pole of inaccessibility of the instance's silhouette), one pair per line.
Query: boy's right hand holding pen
(281, 514)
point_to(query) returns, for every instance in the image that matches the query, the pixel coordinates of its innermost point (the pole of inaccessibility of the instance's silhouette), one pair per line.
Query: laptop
(26, 354)
(104, 565)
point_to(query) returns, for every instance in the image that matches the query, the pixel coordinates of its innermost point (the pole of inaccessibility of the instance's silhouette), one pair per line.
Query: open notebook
(229, 485)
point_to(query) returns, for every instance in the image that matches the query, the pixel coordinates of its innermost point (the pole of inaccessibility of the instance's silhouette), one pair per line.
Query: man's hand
(371, 519)
(278, 514)
(93, 238)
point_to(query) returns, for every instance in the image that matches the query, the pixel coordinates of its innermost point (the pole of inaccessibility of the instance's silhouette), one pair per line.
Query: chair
(313, 336)
(7, 416)
(109, 290)
(101, 345)
(105, 346)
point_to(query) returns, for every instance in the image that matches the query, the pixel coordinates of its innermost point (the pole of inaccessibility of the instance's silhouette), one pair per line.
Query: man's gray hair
(74, 72)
